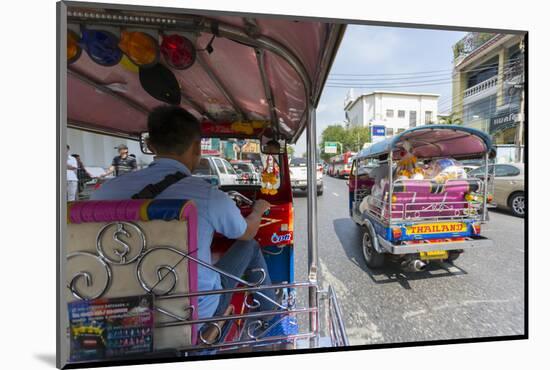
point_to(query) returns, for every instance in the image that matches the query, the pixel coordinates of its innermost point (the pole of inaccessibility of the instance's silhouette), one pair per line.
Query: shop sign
(503, 122)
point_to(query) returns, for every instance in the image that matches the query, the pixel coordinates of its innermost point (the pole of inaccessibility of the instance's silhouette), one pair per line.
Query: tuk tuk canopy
(432, 141)
(264, 71)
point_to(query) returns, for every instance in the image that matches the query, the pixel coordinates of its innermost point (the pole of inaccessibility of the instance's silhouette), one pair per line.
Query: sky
(386, 50)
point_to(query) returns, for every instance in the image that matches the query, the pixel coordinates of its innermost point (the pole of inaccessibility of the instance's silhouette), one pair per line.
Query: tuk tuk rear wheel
(453, 255)
(371, 256)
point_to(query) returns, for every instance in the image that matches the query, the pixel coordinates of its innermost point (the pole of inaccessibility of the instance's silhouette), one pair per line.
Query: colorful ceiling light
(140, 47)
(178, 51)
(73, 49)
(160, 83)
(128, 65)
(101, 46)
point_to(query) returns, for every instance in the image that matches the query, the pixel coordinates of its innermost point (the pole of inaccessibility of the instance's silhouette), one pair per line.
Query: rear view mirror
(271, 147)
(143, 138)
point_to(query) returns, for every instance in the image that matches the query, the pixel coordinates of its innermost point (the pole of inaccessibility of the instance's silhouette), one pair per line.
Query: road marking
(408, 314)
(335, 194)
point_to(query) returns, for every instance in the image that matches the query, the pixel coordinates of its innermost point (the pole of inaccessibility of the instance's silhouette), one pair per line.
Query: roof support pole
(313, 258)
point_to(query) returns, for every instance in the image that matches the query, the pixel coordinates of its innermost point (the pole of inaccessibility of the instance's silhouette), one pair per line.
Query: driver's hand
(261, 206)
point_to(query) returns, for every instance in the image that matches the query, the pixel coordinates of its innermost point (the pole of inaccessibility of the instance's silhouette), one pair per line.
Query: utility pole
(521, 118)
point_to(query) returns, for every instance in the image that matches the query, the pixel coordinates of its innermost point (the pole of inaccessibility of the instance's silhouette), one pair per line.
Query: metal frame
(312, 93)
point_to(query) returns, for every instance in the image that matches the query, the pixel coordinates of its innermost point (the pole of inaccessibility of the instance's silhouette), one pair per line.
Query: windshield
(298, 162)
(244, 167)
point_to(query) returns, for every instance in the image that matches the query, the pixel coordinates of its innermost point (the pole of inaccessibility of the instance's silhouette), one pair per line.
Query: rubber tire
(511, 202)
(373, 259)
(453, 256)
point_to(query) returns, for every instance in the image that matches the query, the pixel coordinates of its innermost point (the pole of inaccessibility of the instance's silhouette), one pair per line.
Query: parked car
(471, 164)
(246, 172)
(509, 188)
(217, 171)
(298, 175)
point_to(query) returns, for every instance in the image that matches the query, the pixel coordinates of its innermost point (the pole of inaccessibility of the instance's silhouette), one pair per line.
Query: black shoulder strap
(151, 191)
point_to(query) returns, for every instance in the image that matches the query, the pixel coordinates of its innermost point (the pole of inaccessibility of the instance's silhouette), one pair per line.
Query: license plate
(437, 228)
(434, 255)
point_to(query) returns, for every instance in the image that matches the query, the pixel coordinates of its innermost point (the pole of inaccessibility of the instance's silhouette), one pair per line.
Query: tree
(290, 151)
(451, 119)
(334, 133)
(351, 139)
(356, 137)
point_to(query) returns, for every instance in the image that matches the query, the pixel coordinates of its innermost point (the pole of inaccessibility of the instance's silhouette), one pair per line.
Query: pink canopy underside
(435, 143)
(235, 66)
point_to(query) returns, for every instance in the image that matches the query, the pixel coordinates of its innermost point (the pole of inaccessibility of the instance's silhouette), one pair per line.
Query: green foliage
(351, 139)
(452, 119)
(290, 151)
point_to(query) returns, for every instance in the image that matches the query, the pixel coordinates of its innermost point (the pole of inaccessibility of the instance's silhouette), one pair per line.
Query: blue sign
(378, 130)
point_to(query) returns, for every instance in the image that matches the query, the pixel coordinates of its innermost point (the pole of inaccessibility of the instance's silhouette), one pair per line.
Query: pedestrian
(81, 173)
(122, 163)
(72, 179)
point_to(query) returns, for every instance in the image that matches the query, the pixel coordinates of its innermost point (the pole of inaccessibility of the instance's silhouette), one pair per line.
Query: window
(400, 130)
(389, 131)
(230, 170)
(429, 117)
(504, 170)
(298, 162)
(401, 114)
(203, 168)
(412, 118)
(389, 113)
(220, 166)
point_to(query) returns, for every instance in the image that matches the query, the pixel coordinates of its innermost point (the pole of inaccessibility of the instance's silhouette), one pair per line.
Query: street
(481, 295)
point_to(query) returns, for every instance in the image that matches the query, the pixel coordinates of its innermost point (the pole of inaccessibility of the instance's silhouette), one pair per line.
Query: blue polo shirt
(216, 212)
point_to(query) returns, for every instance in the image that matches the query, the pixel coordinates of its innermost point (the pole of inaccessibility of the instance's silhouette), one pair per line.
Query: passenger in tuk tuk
(175, 138)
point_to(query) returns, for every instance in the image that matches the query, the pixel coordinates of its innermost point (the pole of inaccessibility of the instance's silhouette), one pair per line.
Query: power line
(359, 83)
(427, 73)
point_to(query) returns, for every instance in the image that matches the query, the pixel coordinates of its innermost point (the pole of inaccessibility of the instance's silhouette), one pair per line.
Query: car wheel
(517, 204)
(372, 257)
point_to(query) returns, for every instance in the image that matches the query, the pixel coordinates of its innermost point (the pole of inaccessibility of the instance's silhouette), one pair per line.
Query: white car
(216, 170)
(298, 175)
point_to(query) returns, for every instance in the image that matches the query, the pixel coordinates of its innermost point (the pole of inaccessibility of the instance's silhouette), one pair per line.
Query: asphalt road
(481, 295)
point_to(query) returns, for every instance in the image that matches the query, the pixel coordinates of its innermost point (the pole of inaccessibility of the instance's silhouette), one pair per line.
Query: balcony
(470, 43)
(481, 90)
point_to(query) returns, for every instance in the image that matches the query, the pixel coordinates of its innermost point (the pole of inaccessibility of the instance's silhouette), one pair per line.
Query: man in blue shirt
(175, 138)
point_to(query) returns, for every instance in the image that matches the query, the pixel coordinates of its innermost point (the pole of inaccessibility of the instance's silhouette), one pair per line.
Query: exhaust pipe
(418, 265)
(414, 265)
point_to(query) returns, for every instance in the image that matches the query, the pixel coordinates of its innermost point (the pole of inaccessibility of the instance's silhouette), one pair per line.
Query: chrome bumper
(476, 242)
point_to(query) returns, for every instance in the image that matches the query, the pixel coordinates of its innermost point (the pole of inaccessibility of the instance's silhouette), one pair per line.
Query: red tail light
(476, 229)
(396, 233)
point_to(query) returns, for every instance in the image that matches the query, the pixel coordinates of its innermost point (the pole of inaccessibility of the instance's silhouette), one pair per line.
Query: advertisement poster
(111, 327)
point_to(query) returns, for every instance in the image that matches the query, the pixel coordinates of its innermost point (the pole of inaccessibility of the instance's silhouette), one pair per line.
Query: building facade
(487, 89)
(389, 112)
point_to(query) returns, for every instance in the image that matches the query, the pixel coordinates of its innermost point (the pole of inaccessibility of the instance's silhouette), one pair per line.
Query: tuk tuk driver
(175, 138)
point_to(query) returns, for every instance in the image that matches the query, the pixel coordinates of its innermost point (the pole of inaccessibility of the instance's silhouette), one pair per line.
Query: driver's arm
(226, 217)
(254, 219)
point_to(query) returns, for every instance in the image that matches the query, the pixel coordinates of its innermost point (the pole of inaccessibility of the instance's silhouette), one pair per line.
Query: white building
(391, 112)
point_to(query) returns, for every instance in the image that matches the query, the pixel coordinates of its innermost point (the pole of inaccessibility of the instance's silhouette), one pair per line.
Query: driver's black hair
(172, 129)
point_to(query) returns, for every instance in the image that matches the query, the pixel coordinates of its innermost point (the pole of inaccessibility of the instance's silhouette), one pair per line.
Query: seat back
(136, 247)
(414, 198)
